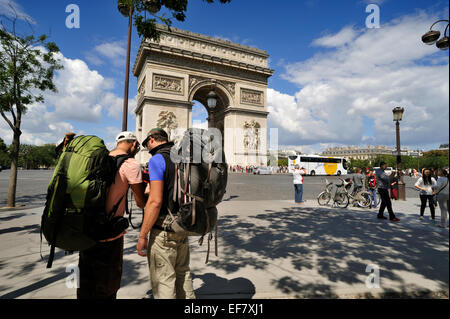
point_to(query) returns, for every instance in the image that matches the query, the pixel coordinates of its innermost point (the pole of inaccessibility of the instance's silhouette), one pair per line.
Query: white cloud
(114, 52)
(11, 9)
(346, 35)
(369, 76)
(114, 105)
(80, 92)
(83, 96)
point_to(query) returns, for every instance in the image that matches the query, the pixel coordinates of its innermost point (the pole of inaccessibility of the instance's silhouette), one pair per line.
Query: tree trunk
(13, 176)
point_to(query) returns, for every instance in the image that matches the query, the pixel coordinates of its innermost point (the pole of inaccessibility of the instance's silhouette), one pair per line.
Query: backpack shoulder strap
(120, 159)
(442, 187)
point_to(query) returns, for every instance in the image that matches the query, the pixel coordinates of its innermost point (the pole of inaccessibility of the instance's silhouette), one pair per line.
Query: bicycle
(362, 197)
(340, 198)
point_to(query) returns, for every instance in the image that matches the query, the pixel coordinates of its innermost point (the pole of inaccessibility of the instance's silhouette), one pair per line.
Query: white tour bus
(319, 165)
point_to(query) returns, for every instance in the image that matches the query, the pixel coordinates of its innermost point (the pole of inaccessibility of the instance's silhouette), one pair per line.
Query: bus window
(344, 163)
(293, 157)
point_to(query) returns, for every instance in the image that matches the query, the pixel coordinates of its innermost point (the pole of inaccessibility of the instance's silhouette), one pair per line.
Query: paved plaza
(269, 248)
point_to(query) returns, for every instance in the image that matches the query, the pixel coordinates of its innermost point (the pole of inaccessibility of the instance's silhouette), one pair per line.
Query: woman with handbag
(394, 186)
(424, 184)
(441, 189)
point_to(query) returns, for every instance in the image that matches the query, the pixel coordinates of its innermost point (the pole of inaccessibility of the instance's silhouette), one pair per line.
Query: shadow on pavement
(337, 244)
(35, 286)
(32, 228)
(215, 287)
(29, 201)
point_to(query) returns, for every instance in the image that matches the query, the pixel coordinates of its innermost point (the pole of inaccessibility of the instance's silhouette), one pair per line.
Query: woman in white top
(298, 173)
(441, 189)
(424, 184)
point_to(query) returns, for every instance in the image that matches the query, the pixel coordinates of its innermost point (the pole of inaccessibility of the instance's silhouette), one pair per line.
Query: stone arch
(183, 67)
(224, 95)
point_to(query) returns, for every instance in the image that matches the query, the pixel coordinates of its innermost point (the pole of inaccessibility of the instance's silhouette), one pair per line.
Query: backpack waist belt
(162, 228)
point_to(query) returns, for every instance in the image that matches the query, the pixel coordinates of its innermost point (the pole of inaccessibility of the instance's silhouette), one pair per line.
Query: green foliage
(283, 162)
(5, 160)
(33, 157)
(147, 13)
(353, 163)
(435, 153)
(30, 156)
(26, 70)
(431, 159)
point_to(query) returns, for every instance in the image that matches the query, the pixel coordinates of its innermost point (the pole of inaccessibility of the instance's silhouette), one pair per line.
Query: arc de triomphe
(185, 66)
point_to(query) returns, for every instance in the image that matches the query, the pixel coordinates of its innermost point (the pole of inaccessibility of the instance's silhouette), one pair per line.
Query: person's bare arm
(139, 194)
(151, 214)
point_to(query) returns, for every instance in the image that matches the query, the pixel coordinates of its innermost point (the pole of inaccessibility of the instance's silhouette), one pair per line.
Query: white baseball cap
(126, 136)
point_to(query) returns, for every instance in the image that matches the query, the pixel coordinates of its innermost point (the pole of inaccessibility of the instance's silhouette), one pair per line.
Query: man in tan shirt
(100, 267)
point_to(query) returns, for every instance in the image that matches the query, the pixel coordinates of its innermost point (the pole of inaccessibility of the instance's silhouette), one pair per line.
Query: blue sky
(338, 79)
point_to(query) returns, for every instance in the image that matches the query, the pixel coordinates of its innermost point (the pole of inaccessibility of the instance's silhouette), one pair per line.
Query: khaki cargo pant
(168, 260)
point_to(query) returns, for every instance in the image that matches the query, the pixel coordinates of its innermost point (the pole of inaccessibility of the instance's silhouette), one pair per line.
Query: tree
(27, 66)
(146, 25)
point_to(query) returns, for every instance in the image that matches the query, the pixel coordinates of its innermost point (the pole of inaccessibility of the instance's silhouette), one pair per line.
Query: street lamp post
(126, 8)
(211, 99)
(398, 114)
(126, 11)
(432, 36)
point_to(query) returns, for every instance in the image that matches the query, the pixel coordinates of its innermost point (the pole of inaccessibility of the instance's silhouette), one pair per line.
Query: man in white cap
(101, 266)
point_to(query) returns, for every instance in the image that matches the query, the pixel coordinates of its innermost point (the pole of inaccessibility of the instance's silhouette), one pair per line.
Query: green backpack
(74, 217)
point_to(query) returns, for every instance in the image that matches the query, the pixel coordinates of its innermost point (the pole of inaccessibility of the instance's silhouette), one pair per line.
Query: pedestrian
(424, 184)
(441, 190)
(383, 183)
(394, 186)
(100, 267)
(371, 186)
(358, 181)
(167, 252)
(435, 176)
(298, 173)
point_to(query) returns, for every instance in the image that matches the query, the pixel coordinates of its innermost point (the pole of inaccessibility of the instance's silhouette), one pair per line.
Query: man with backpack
(167, 251)
(371, 186)
(100, 267)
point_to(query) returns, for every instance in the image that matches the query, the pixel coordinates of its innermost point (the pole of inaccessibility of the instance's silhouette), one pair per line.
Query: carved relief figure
(168, 122)
(230, 86)
(252, 139)
(194, 80)
(252, 97)
(167, 84)
(141, 89)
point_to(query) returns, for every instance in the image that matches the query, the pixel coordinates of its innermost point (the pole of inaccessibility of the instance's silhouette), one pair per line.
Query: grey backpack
(199, 185)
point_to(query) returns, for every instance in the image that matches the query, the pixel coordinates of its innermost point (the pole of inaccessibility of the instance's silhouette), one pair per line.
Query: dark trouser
(385, 202)
(298, 189)
(101, 270)
(423, 200)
